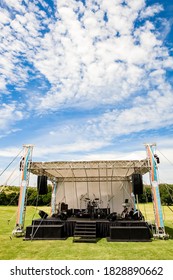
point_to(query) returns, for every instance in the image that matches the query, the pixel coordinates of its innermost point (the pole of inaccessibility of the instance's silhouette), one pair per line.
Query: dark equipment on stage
(137, 215)
(42, 185)
(63, 216)
(137, 184)
(92, 210)
(64, 207)
(63, 212)
(43, 214)
(112, 217)
(131, 213)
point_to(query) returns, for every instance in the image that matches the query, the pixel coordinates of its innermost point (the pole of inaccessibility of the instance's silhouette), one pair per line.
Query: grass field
(12, 248)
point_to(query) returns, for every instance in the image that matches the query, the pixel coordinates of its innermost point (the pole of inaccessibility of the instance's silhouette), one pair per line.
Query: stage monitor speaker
(43, 214)
(42, 185)
(137, 184)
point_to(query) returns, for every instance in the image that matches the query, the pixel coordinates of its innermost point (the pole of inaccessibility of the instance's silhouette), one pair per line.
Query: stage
(88, 230)
(91, 199)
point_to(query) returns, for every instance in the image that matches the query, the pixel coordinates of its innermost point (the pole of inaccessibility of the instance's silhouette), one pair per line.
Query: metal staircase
(85, 231)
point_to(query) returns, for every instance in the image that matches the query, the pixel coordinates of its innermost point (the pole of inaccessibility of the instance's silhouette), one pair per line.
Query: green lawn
(12, 248)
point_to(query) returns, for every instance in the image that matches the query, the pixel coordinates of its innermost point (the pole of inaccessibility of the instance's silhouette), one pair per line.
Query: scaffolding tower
(153, 163)
(25, 174)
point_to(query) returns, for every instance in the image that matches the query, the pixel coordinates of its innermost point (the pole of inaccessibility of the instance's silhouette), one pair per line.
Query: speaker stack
(137, 184)
(42, 185)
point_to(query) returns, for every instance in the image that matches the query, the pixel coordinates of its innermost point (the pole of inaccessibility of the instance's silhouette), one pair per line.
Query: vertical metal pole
(53, 199)
(159, 223)
(24, 168)
(134, 201)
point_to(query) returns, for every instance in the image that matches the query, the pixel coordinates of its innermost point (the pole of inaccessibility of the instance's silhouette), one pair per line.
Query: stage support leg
(159, 223)
(133, 201)
(24, 168)
(53, 200)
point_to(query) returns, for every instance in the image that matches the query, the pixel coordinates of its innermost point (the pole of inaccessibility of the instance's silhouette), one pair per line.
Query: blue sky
(85, 80)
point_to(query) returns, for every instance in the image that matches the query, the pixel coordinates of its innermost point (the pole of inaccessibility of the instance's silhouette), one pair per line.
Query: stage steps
(85, 231)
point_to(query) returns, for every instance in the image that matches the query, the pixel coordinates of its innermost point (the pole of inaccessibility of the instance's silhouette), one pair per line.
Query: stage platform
(88, 230)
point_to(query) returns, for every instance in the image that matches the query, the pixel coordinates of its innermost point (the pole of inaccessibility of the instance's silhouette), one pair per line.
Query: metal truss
(90, 171)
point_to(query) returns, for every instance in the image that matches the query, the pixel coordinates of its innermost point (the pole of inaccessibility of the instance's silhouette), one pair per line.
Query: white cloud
(17, 5)
(151, 11)
(136, 155)
(81, 56)
(9, 115)
(52, 151)
(21, 28)
(151, 112)
(4, 16)
(10, 152)
(87, 64)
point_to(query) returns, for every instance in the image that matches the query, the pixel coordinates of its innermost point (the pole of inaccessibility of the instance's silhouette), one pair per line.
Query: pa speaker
(42, 185)
(137, 184)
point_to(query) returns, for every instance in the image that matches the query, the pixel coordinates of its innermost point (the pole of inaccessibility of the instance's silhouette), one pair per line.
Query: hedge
(10, 196)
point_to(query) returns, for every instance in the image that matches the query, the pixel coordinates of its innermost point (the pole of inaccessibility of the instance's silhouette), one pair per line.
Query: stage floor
(118, 230)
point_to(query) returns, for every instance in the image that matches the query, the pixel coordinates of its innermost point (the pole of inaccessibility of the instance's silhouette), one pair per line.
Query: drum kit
(93, 208)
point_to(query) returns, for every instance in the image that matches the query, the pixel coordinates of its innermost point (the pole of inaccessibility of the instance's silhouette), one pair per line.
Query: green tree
(3, 198)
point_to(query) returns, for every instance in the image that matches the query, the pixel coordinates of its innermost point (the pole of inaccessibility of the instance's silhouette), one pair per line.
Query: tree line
(10, 195)
(166, 194)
